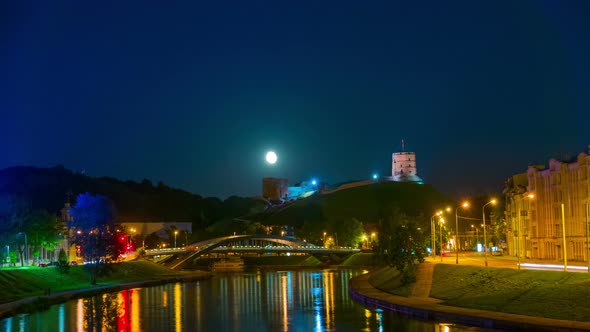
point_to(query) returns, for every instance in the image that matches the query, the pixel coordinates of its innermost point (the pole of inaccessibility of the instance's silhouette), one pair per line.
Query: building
(403, 166)
(544, 206)
(275, 189)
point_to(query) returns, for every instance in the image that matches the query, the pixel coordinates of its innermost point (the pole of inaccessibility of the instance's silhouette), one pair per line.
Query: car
(73, 263)
(498, 252)
(42, 265)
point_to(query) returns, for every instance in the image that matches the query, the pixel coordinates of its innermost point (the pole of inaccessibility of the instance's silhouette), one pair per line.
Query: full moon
(271, 157)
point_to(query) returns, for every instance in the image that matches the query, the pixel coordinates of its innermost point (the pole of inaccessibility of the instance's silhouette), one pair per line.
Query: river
(250, 301)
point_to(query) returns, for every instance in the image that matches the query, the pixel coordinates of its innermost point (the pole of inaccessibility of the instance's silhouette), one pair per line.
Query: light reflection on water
(258, 301)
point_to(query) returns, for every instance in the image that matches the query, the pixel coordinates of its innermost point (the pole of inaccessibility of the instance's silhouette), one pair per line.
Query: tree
(348, 230)
(63, 266)
(152, 241)
(95, 231)
(402, 244)
(312, 231)
(43, 230)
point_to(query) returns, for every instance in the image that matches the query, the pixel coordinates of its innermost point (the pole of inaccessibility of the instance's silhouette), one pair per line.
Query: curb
(12, 308)
(363, 292)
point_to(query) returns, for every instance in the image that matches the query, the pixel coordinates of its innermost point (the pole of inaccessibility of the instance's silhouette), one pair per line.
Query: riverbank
(33, 289)
(469, 288)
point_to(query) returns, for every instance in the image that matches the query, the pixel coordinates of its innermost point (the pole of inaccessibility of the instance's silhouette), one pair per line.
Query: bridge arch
(205, 247)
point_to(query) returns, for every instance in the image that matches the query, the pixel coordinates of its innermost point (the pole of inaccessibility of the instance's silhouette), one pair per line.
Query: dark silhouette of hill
(50, 188)
(368, 204)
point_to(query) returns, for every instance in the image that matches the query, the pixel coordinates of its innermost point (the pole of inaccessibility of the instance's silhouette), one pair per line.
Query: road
(477, 259)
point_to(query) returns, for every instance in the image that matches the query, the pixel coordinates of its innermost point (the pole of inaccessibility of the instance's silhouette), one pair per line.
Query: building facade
(275, 189)
(544, 206)
(403, 167)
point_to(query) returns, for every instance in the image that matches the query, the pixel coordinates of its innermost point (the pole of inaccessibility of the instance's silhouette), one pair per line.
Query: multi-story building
(544, 204)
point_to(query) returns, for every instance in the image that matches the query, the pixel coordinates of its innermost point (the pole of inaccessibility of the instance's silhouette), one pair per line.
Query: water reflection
(260, 301)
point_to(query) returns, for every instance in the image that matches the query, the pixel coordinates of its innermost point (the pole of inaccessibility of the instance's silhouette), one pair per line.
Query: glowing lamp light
(374, 176)
(271, 157)
(314, 182)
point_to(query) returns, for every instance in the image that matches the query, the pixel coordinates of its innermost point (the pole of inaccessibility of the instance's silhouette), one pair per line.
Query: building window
(557, 230)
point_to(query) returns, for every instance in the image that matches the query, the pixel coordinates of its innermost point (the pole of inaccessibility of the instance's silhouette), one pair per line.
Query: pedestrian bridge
(247, 244)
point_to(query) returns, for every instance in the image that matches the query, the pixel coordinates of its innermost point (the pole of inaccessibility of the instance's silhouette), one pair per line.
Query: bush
(63, 266)
(408, 274)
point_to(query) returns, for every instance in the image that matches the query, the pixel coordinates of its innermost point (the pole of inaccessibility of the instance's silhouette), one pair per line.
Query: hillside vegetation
(368, 204)
(48, 189)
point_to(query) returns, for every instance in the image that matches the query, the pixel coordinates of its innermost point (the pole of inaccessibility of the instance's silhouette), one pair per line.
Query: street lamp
(587, 236)
(324, 239)
(442, 222)
(175, 233)
(131, 241)
(433, 232)
(485, 243)
(476, 236)
(464, 205)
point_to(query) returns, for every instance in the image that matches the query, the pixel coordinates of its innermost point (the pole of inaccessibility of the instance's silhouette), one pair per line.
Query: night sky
(194, 94)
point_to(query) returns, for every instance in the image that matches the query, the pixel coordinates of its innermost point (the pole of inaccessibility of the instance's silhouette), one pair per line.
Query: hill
(50, 188)
(368, 204)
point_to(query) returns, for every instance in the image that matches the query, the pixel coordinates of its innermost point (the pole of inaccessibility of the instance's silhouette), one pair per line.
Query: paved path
(421, 287)
(424, 307)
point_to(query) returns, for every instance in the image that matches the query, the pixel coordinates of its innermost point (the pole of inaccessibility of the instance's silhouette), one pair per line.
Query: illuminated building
(403, 167)
(274, 189)
(534, 210)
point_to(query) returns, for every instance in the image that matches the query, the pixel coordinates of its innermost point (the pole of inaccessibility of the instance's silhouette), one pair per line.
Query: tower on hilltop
(403, 166)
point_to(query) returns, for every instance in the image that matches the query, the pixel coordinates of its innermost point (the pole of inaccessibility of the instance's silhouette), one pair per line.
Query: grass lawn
(550, 294)
(362, 259)
(33, 281)
(387, 279)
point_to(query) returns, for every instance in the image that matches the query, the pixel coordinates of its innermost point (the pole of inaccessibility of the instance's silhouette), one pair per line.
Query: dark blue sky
(193, 94)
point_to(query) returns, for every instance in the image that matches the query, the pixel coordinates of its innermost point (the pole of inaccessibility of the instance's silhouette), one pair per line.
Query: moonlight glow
(271, 157)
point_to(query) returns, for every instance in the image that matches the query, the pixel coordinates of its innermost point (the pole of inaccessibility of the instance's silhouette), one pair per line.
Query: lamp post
(324, 239)
(131, 240)
(175, 233)
(485, 243)
(476, 236)
(587, 233)
(563, 236)
(464, 205)
(442, 222)
(433, 232)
